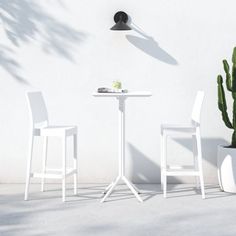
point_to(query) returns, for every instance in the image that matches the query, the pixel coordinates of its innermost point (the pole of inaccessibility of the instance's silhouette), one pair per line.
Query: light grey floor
(182, 213)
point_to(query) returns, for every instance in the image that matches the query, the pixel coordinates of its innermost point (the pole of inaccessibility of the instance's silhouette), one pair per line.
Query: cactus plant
(231, 87)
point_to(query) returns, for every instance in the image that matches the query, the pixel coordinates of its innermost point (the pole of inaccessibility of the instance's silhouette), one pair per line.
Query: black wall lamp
(121, 19)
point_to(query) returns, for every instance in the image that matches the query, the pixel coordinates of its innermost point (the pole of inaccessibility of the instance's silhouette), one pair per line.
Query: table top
(129, 94)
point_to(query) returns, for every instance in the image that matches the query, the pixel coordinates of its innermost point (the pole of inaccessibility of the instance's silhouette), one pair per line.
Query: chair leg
(199, 155)
(75, 165)
(164, 164)
(162, 157)
(195, 159)
(28, 174)
(64, 169)
(45, 148)
(164, 185)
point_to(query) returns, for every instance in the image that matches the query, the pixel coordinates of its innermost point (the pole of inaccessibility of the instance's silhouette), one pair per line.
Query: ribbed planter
(226, 163)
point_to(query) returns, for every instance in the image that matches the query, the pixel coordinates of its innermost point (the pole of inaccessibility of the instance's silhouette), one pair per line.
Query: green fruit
(116, 84)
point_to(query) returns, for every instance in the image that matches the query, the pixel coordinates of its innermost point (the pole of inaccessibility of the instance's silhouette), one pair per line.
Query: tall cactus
(231, 87)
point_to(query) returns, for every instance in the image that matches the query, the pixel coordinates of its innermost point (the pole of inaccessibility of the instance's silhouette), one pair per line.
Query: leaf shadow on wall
(26, 21)
(9, 64)
(148, 45)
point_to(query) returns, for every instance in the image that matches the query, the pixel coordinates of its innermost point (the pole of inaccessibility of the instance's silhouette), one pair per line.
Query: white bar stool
(194, 130)
(40, 127)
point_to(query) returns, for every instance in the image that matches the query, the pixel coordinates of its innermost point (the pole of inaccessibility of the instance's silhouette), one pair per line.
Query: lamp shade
(121, 19)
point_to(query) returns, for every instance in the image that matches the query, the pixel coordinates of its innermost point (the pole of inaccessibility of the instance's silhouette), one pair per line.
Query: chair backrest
(197, 107)
(37, 108)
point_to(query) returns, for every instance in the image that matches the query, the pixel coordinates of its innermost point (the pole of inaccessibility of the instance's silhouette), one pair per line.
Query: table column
(121, 136)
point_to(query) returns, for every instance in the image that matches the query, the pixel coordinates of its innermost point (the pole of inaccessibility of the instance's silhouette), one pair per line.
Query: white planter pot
(226, 163)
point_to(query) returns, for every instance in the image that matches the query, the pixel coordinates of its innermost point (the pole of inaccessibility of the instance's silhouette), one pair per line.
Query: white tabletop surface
(129, 94)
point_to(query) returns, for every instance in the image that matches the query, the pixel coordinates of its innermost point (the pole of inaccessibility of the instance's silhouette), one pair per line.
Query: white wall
(65, 49)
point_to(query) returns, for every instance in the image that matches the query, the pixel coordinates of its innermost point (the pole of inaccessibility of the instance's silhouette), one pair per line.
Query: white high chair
(194, 130)
(40, 127)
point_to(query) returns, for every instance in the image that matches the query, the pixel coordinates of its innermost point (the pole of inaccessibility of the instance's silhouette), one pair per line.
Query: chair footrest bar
(52, 175)
(181, 173)
(184, 168)
(70, 172)
(46, 175)
(59, 171)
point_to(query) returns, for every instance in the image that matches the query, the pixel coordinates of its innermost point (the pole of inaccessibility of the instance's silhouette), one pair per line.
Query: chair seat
(178, 128)
(56, 131)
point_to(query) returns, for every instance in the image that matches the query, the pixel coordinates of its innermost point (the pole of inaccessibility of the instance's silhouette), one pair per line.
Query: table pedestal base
(131, 186)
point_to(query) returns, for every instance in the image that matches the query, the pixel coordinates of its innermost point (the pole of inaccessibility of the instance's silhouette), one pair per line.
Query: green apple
(116, 84)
